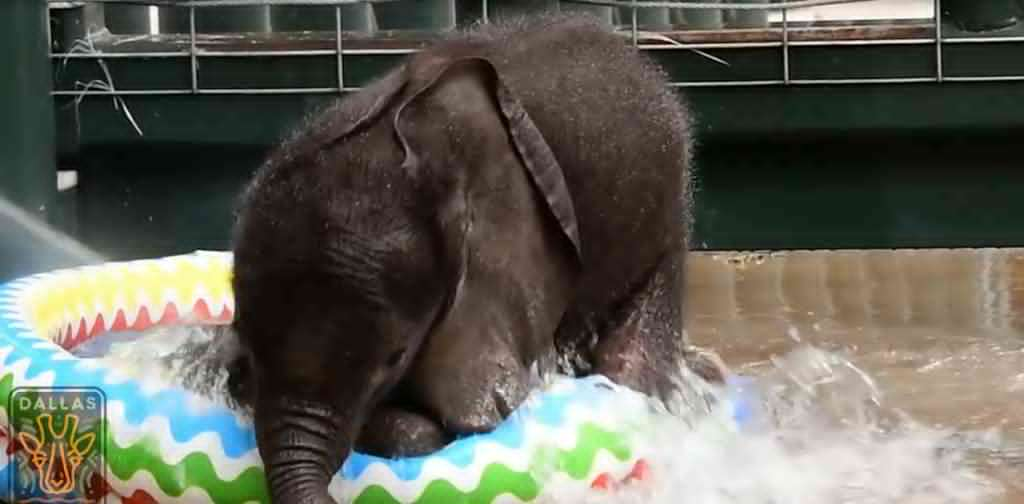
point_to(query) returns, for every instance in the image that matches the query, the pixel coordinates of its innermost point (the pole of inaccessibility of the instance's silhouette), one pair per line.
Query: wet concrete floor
(941, 331)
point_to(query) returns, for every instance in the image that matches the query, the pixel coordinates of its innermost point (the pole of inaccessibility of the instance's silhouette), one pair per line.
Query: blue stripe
(549, 409)
(6, 473)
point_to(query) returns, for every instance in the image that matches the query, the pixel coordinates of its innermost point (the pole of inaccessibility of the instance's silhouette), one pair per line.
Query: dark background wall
(866, 165)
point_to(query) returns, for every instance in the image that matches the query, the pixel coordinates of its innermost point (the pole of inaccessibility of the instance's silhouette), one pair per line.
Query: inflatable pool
(160, 443)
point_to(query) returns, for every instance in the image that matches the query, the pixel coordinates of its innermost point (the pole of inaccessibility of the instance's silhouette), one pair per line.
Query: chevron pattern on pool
(168, 445)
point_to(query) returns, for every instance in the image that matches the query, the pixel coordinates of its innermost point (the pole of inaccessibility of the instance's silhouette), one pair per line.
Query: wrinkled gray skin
(514, 195)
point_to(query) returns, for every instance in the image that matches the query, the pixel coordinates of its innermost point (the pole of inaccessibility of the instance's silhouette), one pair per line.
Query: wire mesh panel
(332, 46)
(808, 105)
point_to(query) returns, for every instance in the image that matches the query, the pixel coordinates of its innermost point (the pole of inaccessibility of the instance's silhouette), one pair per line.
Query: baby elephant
(514, 198)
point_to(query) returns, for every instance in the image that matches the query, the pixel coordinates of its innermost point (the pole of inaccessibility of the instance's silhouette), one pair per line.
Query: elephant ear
(365, 107)
(352, 114)
(530, 146)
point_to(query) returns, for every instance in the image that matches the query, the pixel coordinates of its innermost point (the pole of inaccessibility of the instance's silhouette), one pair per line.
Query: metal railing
(783, 38)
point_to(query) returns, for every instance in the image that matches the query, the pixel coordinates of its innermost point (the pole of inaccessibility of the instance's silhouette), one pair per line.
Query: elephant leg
(396, 432)
(643, 345)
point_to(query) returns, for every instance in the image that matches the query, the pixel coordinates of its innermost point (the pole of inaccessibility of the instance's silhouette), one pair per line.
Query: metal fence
(344, 40)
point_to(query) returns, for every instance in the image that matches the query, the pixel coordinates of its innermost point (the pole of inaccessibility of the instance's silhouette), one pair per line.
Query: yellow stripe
(125, 286)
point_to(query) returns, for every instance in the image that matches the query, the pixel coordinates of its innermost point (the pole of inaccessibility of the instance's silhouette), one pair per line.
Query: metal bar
(192, 48)
(980, 40)
(164, 92)
(222, 54)
(792, 4)
(264, 91)
(485, 13)
(894, 80)
(49, 30)
(863, 42)
(807, 82)
(309, 52)
(123, 92)
(634, 24)
(785, 44)
(991, 78)
(339, 50)
(725, 45)
(225, 3)
(697, 84)
(105, 55)
(235, 54)
(370, 52)
(938, 40)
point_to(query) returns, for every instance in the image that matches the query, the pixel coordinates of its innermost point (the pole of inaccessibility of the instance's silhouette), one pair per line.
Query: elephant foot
(395, 432)
(643, 346)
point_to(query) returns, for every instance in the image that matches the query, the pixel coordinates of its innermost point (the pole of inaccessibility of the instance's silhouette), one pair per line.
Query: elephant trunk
(302, 445)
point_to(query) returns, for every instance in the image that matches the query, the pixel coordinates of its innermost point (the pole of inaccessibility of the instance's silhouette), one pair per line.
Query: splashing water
(818, 430)
(192, 357)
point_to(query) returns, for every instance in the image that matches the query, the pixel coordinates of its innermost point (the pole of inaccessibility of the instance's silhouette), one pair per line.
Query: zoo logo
(59, 448)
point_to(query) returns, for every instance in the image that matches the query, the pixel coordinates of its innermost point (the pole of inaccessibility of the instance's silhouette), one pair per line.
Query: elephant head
(351, 257)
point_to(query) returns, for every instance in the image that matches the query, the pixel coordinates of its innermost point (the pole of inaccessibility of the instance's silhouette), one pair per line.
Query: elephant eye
(396, 357)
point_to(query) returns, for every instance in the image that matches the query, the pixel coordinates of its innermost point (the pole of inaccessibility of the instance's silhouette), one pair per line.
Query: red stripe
(100, 326)
(226, 315)
(79, 336)
(97, 488)
(603, 481)
(139, 497)
(170, 315)
(201, 311)
(120, 323)
(641, 471)
(142, 321)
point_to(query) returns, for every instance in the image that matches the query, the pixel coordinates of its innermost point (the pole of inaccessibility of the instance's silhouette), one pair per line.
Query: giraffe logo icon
(56, 437)
(58, 455)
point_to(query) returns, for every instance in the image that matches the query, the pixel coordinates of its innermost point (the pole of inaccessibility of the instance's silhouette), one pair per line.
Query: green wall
(27, 159)
(778, 167)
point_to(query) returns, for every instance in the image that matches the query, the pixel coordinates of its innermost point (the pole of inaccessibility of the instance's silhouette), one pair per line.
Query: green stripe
(6, 387)
(193, 470)
(498, 479)
(495, 480)
(578, 461)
